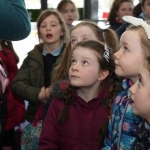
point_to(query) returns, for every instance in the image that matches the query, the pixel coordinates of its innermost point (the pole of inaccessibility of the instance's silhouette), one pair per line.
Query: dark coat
(30, 80)
(81, 131)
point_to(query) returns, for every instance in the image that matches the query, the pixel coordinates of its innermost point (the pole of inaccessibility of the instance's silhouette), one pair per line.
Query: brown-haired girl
(15, 109)
(119, 9)
(68, 11)
(81, 107)
(85, 30)
(33, 78)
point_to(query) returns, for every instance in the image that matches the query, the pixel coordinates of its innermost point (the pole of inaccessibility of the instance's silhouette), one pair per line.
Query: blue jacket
(128, 131)
(14, 20)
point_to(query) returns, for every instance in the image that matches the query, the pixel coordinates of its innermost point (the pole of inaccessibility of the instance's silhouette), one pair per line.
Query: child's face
(130, 55)
(141, 93)
(82, 33)
(84, 70)
(126, 8)
(69, 14)
(51, 30)
(146, 9)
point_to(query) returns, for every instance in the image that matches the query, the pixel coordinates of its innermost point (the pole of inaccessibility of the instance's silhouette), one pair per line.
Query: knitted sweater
(14, 20)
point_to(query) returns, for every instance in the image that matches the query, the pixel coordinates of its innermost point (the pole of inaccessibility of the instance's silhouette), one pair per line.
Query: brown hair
(143, 2)
(115, 7)
(98, 48)
(47, 13)
(111, 40)
(137, 10)
(9, 45)
(62, 4)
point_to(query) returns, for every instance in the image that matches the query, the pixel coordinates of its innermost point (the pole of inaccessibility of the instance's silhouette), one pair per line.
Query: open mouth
(49, 35)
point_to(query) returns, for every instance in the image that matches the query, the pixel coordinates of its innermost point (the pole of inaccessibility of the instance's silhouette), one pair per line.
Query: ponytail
(64, 114)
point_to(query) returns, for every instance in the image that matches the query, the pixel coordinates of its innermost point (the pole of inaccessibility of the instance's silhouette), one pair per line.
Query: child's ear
(103, 75)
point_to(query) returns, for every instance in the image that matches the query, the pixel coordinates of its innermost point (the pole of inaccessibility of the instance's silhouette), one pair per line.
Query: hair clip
(107, 51)
(138, 22)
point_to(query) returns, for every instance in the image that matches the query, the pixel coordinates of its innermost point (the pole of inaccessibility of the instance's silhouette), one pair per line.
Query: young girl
(68, 11)
(15, 106)
(141, 105)
(142, 10)
(85, 30)
(119, 9)
(33, 78)
(81, 107)
(146, 10)
(134, 49)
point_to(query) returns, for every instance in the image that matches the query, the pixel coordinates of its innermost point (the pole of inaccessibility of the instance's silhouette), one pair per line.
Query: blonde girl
(33, 79)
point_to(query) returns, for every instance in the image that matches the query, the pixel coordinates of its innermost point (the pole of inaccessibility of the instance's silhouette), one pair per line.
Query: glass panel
(33, 4)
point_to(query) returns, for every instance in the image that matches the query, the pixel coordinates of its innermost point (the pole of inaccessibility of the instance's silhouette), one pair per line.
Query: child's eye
(43, 26)
(85, 39)
(139, 81)
(73, 41)
(53, 25)
(125, 49)
(73, 61)
(85, 63)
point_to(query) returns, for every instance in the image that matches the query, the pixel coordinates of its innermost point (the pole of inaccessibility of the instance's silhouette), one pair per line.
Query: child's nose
(75, 67)
(117, 55)
(133, 89)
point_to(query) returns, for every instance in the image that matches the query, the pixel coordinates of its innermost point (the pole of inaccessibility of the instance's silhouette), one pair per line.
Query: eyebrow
(126, 44)
(83, 57)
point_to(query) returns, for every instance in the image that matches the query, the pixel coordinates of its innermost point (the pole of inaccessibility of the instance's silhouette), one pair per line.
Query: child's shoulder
(58, 89)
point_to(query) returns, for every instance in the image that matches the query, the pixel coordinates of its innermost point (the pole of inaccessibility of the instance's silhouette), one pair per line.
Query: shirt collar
(56, 52)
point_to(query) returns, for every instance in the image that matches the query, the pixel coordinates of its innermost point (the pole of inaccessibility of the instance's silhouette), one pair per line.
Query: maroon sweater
(81, 131)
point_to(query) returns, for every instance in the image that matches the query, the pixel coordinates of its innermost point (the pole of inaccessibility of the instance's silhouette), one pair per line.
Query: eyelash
(139, 81)
(125, 48)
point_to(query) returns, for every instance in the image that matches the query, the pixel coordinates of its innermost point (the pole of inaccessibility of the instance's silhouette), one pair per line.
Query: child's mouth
(49, 35)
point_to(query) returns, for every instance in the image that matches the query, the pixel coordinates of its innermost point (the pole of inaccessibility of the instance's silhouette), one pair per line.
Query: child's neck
(134, 79)
(87, 94)
(51, 47)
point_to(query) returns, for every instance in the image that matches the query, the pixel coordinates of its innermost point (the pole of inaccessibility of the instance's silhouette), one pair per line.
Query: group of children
(96, 94)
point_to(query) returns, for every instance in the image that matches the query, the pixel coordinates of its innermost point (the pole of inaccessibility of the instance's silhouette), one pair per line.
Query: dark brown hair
(111, 39)
(98, 48)
(9, 45)
(47, 13)
(115, 7)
